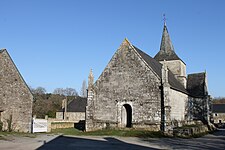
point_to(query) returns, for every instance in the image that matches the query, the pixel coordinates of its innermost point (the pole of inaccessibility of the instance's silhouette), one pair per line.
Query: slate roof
(166, 48)
(156, 66)
(218, 108)
(77, 105)
(196, 84)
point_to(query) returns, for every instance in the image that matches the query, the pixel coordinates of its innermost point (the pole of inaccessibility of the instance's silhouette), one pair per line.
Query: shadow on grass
(109, 143)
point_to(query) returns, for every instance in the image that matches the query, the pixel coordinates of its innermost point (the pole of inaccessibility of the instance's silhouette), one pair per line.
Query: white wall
(178, 102)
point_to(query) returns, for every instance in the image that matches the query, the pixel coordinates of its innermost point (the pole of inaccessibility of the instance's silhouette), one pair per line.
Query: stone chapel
(138, 91)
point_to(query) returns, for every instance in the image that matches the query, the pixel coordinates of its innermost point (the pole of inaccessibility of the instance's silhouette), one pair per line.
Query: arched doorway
(126, 117)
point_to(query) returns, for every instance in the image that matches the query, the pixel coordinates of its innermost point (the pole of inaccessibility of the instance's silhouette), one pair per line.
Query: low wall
(58, 125)
(190, 131)
(54, 123)
(149, 127)
(106, 124)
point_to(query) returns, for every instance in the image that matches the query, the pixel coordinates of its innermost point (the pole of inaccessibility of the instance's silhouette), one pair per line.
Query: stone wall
(178, 68)
(200, 109)
(71, 116)
(15, 97)
(190, 131)
(54, 123)
(125, 80)
(60, 125)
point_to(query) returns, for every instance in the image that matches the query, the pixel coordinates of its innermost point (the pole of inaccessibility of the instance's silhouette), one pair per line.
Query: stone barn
(138, 91)
(15, 97)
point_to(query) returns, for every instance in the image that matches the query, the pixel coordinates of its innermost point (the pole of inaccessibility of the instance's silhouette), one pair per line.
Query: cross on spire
(164, 19)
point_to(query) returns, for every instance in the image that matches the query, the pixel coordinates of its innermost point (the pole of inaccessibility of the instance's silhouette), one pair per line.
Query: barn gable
(16, 98)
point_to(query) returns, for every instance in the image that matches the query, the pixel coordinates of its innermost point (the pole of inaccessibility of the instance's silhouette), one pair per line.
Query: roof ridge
(142, 56)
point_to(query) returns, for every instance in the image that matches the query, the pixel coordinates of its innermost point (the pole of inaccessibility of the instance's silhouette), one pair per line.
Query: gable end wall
(15, 97)
(127, 80)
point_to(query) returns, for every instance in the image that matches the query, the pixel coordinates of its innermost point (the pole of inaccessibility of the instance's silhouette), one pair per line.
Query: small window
(220, 121)
(215, 114)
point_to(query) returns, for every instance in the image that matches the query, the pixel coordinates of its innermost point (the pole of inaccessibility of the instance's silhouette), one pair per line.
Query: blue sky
(55, 43)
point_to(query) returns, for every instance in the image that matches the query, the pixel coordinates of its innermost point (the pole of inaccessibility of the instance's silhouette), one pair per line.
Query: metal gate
(40, 125)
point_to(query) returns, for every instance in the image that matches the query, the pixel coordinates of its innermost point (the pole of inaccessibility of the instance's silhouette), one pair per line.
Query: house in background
(15, 97)
(218, 113)
(136, 90)
(74, 110)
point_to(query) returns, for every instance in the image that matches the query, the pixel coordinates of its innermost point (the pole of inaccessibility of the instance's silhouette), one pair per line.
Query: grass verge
(111, 132)
(6, 135)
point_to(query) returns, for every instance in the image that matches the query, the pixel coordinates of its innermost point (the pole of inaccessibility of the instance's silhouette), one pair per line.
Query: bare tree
(59, 91)
(65, 92)
(39, 90)
(83, 92)
(70, 92)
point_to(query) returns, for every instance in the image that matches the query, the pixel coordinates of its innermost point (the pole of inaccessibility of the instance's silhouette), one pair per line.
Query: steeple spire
(166, 48)
(166, 44)
(167, 56)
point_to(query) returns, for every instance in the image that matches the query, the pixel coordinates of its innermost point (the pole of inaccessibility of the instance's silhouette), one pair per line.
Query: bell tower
(167, 55)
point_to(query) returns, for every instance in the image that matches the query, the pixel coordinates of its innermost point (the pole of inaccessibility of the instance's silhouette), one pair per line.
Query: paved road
(215, 141)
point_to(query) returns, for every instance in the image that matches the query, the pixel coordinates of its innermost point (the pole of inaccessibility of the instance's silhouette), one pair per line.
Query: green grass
(4, 135)
(111, 132)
